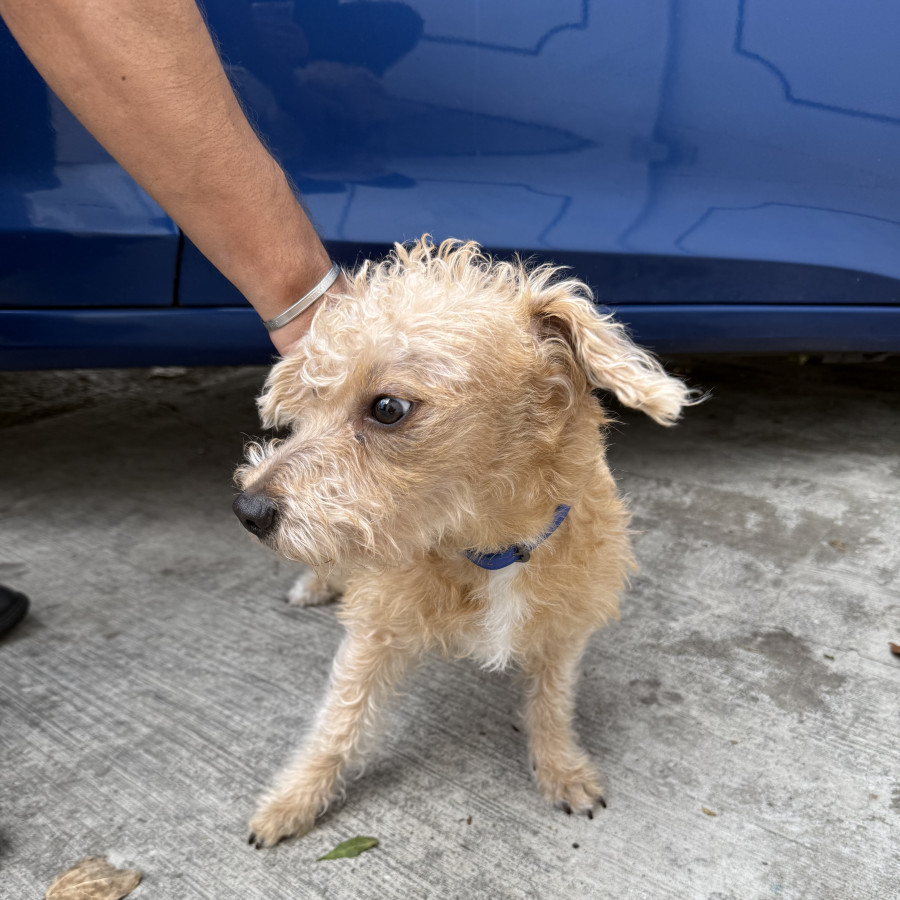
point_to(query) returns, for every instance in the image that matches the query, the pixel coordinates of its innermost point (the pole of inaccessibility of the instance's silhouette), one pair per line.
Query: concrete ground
(745, 712)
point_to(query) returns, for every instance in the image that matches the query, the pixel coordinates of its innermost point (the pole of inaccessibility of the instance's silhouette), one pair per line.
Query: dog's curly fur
(498, 361)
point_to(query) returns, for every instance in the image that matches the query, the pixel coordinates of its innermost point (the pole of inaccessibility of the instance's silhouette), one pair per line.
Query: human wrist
(285, 339)
(274, 274)
(283, 286)
(304, 302)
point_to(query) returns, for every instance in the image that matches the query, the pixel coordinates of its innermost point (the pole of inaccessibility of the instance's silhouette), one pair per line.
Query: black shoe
(13, 607)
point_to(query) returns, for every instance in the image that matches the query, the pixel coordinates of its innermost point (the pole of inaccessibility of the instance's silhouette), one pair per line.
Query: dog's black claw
(252, 838)
(601, 801)
(259, 845)
(590, 814)
(566, 808)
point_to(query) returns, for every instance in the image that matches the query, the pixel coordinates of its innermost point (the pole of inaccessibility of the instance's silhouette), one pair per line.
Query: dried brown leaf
(707, 811)
(895, 648)
(93, 879)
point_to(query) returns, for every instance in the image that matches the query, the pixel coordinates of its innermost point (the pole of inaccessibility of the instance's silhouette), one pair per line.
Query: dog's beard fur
(498, 362)
(338, 507)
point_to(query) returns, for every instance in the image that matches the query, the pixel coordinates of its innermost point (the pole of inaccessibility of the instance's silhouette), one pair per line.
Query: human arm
(144, 78)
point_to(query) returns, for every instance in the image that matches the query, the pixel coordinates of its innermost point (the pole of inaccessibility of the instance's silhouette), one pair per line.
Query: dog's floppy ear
(563, 311)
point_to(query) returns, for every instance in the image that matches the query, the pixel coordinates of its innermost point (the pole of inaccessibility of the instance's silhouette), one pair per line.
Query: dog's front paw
(575, 789)
(310, 590)
(280, 818)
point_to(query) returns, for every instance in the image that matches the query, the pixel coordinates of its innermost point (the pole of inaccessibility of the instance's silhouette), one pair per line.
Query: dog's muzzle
(255, 512)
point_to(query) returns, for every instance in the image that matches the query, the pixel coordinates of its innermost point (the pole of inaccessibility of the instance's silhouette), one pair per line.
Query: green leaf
(351, 848)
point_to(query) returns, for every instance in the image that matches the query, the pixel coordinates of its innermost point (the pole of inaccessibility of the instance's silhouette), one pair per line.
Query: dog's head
(434, 406)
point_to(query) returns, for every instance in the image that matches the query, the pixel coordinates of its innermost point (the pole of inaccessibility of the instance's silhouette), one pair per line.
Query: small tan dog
(442, 424)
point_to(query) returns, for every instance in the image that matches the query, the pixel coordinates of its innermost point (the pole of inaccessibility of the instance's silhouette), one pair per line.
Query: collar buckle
(521, 552)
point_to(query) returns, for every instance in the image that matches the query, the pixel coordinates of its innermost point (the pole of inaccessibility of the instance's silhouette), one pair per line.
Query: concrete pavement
(745, 711)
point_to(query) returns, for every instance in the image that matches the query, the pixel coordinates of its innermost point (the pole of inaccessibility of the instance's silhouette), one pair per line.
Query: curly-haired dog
(446, 459)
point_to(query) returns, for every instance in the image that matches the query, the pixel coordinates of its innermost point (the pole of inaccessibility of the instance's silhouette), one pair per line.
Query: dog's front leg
(367, 666)
(564, 774)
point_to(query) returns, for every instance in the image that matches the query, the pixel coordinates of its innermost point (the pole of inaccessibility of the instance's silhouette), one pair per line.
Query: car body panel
(94, 338)
(75, 230)
(721, 173)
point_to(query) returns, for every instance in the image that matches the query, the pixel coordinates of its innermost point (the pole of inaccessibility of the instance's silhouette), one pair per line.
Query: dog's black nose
(256, 513)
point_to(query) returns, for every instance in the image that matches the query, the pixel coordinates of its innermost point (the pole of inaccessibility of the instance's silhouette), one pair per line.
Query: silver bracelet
(305, 301)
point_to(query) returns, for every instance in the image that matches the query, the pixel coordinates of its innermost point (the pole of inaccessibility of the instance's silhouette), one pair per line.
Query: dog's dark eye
(390, 410)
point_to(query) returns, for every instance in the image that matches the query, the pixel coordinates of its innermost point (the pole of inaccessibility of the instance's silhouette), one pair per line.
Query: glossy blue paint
(79, 338)
(72, 338)
(732, 130)
(75, 230)
(618, 278)
(676, 154)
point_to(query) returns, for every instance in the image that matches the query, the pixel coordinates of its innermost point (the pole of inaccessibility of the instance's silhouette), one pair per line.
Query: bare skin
(144, 77)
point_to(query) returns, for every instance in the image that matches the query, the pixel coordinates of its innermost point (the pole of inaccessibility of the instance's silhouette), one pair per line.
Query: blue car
(725, 175)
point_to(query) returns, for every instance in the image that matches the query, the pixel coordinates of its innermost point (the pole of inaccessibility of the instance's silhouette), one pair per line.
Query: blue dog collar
(518, 552)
